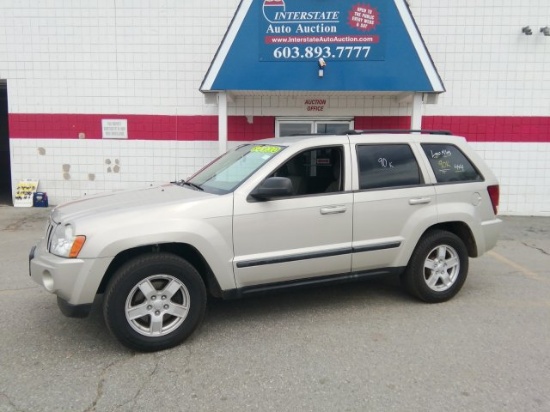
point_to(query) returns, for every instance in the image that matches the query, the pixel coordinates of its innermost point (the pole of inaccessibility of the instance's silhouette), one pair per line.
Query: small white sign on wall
(114, 128)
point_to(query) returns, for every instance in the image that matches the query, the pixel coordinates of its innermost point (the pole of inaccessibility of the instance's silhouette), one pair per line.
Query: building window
(291, 127)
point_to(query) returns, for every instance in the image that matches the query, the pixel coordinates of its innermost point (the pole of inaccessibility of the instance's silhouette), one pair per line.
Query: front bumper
(73, 311)
(74, 281)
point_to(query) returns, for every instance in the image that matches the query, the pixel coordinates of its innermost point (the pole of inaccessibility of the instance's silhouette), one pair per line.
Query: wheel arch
(183, 250)
(460, 229)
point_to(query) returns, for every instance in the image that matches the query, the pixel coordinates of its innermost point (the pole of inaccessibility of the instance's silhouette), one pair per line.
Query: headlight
(64, 243)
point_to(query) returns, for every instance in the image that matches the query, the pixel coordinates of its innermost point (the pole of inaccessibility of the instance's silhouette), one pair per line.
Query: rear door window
(387, 165)
(449, 164)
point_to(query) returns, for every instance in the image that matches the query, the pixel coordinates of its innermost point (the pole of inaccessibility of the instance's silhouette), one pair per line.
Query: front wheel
(438, 267)
(154, 302)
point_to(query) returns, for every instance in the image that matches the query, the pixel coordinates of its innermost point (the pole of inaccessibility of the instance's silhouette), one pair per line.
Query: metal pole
(416, 115)
(222, 123)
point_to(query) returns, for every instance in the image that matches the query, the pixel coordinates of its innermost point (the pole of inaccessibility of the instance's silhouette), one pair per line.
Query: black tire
(154, 302)
(438, 267)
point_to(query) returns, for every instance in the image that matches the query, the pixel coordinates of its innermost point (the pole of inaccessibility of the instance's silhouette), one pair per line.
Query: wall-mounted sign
(114, 128)
(315, 105)
(310, 30)
(323, 45)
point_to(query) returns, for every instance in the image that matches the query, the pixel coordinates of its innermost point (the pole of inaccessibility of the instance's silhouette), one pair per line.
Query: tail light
(494, 194)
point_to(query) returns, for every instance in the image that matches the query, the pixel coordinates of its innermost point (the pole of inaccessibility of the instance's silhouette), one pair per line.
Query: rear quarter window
(387, 165)
(449, 164)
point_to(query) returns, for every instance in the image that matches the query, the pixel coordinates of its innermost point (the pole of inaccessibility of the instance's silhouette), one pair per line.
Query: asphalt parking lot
(356, 347)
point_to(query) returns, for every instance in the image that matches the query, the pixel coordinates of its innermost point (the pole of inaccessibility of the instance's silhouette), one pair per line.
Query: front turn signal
(77, 246)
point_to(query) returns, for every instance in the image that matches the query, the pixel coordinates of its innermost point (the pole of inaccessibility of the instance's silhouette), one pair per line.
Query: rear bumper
(491, 231)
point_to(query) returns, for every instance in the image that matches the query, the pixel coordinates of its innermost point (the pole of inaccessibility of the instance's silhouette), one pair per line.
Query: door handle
(332, 210)
(420, 200)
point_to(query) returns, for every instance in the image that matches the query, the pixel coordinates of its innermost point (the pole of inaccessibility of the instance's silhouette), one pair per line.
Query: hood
(124, 202)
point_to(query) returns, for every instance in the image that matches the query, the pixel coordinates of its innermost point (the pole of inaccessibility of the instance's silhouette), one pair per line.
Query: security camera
(322, 62)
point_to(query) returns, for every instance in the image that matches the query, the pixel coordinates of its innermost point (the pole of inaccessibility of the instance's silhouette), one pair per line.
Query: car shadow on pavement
(78, 335)
(276, 308)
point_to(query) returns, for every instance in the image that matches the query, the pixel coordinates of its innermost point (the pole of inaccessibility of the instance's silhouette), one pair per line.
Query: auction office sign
(302, 30)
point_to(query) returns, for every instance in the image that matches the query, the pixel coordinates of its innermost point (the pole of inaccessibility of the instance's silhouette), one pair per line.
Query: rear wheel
(154, 302)
(438, 267)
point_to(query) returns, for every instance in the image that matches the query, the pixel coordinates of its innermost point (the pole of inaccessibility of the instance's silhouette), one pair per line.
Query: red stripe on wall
(473, 128)
(493, 128)
(140, 127)
(382, 122)
(240, 130)
(205, 128)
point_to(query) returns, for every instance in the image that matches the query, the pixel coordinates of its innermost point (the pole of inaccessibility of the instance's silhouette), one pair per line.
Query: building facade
(118, 94)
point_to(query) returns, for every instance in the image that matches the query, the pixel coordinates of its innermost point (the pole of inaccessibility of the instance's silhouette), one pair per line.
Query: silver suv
(270, 215)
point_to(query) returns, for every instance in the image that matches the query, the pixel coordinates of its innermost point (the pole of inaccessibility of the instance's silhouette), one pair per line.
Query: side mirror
(273, 187)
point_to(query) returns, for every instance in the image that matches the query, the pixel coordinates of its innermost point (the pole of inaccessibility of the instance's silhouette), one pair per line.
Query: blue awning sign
(276, 45)
(337, 32)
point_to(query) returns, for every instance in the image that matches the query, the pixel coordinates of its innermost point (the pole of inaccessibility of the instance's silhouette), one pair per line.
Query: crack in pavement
(145, 382)
(102, 377)
(153, 372)
(10, 402)
(536, 248)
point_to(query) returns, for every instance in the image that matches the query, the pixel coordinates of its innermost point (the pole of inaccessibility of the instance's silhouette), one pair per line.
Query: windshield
(228, 171)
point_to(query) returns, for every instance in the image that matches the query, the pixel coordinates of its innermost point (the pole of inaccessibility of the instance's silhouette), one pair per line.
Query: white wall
(116, 56)
(488, 65)
(149, 57)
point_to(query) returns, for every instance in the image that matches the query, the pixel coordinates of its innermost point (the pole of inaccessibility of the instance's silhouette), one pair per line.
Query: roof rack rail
(307, 134)
(422, 131)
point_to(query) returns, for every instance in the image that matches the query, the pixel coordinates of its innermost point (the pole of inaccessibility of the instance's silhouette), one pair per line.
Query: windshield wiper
(182, 182)
(193, 185)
